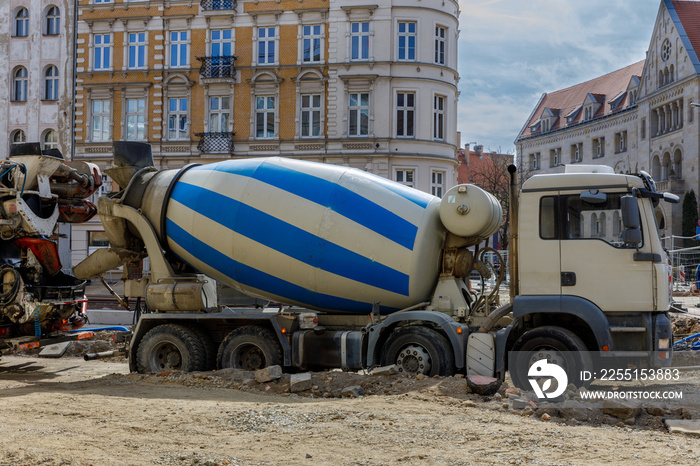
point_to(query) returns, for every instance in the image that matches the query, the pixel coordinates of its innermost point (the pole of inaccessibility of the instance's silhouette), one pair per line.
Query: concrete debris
(300, 382)
(689, 427)
(621, 409)
(385, 370)
(55, 351)
(352, 392)
(268, 374)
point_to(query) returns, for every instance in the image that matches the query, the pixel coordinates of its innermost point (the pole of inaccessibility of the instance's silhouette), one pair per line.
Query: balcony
(217, 67)
(215, 143)
(218, 5)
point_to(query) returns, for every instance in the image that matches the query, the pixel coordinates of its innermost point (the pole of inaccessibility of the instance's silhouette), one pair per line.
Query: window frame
(357, 41)
(437, 188)
(140, 126)
(20, 84)
(50, 83)
(102, 50)
(45, 143)
(179, 131)
(179, 49)
(219, 114)
(137, 49)
(439, 117)
(268, 43)
(312, 127)
(268, 114)
(52, 21)
(405, 171)
(21, 22)
(104, 115)
(440, 45)
(359, 109)
(407, 41)
(405, 114)
(315, 40)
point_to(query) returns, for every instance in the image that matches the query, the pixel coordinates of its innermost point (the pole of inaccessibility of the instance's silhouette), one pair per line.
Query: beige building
(639, 118)
(371, 86)
(36, 84)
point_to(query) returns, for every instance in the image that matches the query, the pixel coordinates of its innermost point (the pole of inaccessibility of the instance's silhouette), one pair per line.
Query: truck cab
(591, 268)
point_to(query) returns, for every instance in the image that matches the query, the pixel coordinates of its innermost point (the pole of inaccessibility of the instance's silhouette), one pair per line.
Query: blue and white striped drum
(316, 235)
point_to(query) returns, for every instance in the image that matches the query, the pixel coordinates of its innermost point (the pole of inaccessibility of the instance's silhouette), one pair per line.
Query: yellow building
(372, 86)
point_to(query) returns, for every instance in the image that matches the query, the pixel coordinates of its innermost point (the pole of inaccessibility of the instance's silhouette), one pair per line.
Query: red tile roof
(483, 170)
(689, 15)
(604, 89)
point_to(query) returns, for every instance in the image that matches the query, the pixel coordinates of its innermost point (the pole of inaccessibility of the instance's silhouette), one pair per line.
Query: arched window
(20, 79)
(602, 220)
(677, 166)
(656, 168)
(51, 83)
(52, 22)
(22, 23)
(665, 167)
(50, 140)
(594, 225)
(661, 78)
(617, 225)
(18, 137)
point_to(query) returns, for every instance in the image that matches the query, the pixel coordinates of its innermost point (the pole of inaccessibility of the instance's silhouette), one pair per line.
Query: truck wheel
(554, 344)
(419, 350)
(170, 348)
(249, 348)
(210, 349)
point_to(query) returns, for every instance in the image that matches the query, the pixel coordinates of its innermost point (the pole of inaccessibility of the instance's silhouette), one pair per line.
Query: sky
(513, 51)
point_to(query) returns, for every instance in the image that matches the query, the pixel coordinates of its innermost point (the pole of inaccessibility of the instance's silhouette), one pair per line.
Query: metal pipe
(513, 234)
(103, 354)
(121, 301)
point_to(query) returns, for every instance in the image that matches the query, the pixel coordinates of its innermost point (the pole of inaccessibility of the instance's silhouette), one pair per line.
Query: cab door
(595, 264)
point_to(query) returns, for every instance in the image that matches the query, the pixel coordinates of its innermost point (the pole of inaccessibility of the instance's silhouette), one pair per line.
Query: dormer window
(548, 118)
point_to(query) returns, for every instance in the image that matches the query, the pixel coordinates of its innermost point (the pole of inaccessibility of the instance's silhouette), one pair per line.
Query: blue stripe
(254, 278)
(337, 198)
(288, 239)
(417, 197)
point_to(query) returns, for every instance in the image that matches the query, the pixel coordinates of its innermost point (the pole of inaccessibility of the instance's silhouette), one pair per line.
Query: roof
(602, 89)
(686, 16)
(577, 180)
(478, 167)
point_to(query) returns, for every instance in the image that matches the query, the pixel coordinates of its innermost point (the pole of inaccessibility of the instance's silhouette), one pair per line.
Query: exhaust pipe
(513, 234)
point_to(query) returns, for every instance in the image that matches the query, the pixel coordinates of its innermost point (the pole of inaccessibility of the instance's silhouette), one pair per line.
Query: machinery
(38, 190)
(368, 272)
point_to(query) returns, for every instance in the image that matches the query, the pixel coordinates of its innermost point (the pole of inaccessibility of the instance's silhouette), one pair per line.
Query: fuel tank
(321, 236)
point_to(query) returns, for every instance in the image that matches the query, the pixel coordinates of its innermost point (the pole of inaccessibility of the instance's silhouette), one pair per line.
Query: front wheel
(538, 354)
(249, 348)
(170, 347)
(419, 350)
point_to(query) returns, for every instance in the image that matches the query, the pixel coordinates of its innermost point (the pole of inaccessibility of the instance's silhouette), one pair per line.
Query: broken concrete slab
(300, 382)
(683, 426)
(621, 409)
(55, 350)
(385, 370)
(268, 374)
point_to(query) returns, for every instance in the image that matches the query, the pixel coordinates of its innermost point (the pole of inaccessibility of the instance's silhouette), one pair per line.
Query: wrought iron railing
(215, 143)
(218, 4)
(217, 67)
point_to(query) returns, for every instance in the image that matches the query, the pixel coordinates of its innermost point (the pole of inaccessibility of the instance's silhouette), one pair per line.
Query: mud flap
(481, 364)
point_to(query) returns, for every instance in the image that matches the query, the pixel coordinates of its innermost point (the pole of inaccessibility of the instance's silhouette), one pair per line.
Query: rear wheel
(170, 347)
(419, 350)
(249, 348)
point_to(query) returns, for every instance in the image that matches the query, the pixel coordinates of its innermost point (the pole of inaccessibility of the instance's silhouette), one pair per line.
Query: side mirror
(631, 235)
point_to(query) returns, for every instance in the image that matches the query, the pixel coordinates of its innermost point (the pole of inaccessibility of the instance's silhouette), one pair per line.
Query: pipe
(103, 354)
(495, 316)
(513, 269)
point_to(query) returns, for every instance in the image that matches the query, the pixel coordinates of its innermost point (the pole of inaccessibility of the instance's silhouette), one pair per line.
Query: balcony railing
(217, 67)
(208, 5)
(215, 143)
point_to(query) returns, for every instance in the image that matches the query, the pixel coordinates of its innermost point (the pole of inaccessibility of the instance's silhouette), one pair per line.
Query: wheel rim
(248, 357)
(553, 356)
(166, 356)
(414, 359)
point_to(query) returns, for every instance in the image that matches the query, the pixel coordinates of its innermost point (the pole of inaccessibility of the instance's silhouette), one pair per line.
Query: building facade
(371, 86)
(640, 118)
(36, 43)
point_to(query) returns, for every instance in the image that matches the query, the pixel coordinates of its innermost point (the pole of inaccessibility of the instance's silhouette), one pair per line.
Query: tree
(490, 173)
(690, 217)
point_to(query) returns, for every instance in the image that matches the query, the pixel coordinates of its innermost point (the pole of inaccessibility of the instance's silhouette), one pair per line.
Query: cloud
(512, 51)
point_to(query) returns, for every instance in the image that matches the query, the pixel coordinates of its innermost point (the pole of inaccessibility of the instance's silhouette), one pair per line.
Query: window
(405, 111)
(358, 114)
(221, 53)
(102, 1)
(576, 152)
(266, 45)
(310, 115)
(554, 157)
(177, 119)
(621, 142)
(437, 185)
(102, 51)
(404, 176)
(53, 21)
(598, 148)
(51, 83)
(137, 50)
(439, 118)
(440, 36)
(407, 41)
(265, 117)
(311, 39)
(101, 114)
(50, 140)
(535, 160)
(22, 23)
(643, 126)
(18, 137)
(580, 219)
(20, 80)
(359, 41)
(219, 111)
(178, 49)
(135, 119)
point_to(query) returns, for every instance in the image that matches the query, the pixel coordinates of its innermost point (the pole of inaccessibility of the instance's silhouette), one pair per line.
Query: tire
(170, 347)
(556, 345)
(419, 350)
(249, 348)
(210, 349)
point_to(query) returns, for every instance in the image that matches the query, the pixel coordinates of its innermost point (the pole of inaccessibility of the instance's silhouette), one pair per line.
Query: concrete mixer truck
(369, 272)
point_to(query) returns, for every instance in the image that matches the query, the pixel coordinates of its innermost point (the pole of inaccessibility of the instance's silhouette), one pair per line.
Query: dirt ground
(68, 411)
